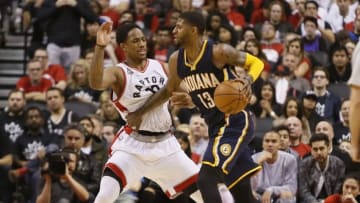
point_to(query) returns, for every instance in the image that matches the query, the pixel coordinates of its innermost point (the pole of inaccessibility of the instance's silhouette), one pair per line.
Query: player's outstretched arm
(226, 54)
(173, 82)
(101, 78)
(354, 122)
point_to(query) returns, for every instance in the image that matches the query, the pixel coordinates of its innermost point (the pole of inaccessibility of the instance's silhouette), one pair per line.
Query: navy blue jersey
(201, 79)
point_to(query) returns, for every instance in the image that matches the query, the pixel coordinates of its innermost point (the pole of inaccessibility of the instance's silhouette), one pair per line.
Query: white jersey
(138, 87)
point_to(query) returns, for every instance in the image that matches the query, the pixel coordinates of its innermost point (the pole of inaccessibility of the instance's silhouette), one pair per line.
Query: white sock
(226, 196)
(196, 196)
(109, 190)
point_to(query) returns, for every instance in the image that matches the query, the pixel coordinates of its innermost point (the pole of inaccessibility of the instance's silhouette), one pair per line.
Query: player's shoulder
(174, 55)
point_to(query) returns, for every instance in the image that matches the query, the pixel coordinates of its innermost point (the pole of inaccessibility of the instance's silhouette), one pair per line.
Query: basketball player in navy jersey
(151, 151)
(202, 65)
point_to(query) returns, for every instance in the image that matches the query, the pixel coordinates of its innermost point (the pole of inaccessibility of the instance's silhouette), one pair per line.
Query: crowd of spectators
(306, 46)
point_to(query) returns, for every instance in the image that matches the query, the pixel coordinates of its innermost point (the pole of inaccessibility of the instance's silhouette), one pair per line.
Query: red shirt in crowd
(25, 85)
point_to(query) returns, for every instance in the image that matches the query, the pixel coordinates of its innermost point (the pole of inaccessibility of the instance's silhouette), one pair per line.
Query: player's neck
(136, 64)
(193, 49)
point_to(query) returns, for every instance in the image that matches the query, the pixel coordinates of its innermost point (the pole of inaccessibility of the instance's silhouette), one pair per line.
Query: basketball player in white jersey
(152, 151)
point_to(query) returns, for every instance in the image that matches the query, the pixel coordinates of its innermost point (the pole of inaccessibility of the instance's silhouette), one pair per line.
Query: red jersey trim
(164, 69)
(118, 172)
(183, 185)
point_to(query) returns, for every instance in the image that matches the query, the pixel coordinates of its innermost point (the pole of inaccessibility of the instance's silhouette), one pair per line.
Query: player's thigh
(127, 167)
(175, 173)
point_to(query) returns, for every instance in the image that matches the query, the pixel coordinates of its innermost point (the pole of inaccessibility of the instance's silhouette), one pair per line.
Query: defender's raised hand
(103, 34)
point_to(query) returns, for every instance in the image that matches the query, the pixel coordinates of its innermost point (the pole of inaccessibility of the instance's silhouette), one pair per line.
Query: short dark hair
(75, 126)
(280, 128)
(311, 19)
(320, 68)
(13, 91)
(123, 30)
(56, 89)
(33, 108)
(115, 126)
(88, 118)
(311, 2)
(195, 19)
(319, 137)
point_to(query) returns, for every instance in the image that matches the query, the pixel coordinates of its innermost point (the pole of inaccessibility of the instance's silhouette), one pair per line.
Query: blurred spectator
(349, 192)
(292, 107)
(236, 19)
(163, 44)
(88, 37)
(94, 146)
(78, 88)
(198, 134)
(340, 67)
(34, 84)
(29, 147)
(253, 47)
(326, 128)
(64, 187)
(320, 174)
(345, 145)
(55, 72)
(350, 47)
(12, 118)
(277, 181)
(284, 133)
(298, 14)
(285, 80)
(213, 22)
(323, 28)
(262, 14)
(146, 17)
(312, 41)
(89, 54)
(277, 17)
(355, 32)
(171, 17)
(30, 20)
(107, 111)
(303, 67)
(341, 128)
(266, 106)
(227, 35)
(328, 104)
(270, 43)
(109, 12)
(5, 164)
(296, 131)
(183, 139)
(57, 116)
(247, 7)
(342, 17)
(109, 131)
(64, 46)
(309, 100)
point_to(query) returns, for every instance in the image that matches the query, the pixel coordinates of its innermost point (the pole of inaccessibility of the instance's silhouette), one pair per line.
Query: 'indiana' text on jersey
(201, 78)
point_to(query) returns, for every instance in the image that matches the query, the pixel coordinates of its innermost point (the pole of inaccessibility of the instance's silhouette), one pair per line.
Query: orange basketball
(229, 97)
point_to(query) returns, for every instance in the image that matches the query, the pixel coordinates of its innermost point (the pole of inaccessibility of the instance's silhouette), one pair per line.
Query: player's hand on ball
(134, 120)
(103, 34)
(247, 86)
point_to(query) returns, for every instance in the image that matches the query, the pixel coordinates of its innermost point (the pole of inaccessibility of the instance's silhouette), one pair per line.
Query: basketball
(229, 97)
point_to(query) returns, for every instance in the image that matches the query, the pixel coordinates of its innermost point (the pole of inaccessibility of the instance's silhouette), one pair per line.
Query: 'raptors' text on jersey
(137, 88)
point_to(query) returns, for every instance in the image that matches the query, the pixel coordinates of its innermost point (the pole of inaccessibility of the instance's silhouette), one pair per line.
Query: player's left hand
(134, 120)
(247, 86)
(181, 100)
